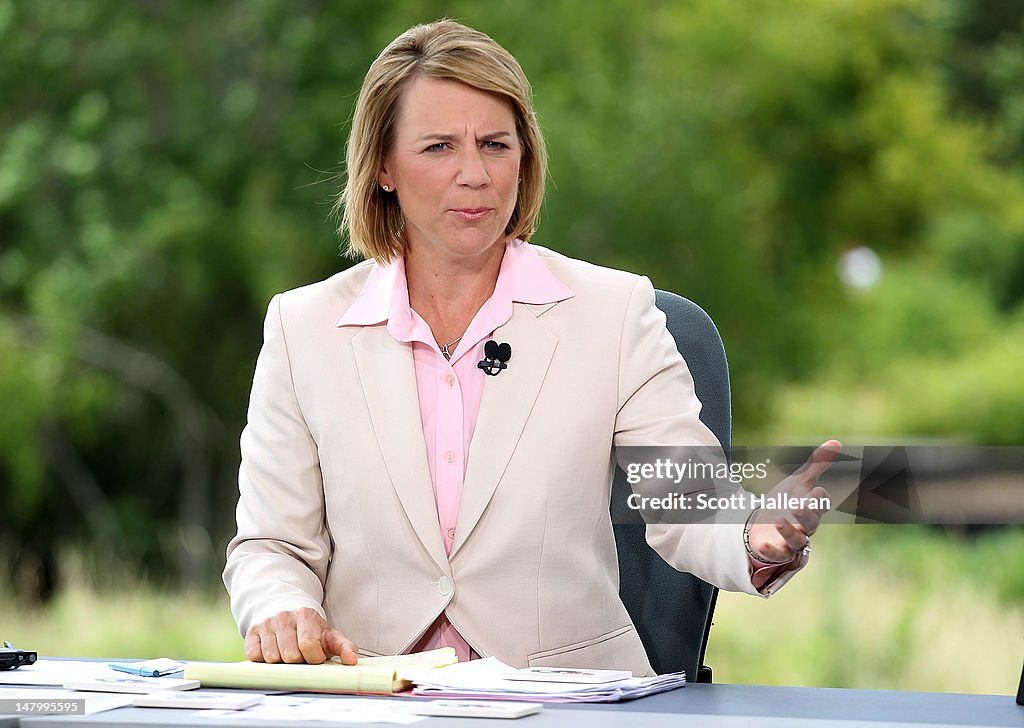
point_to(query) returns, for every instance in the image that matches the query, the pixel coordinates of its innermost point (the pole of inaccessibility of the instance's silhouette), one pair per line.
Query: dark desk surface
(705, 705)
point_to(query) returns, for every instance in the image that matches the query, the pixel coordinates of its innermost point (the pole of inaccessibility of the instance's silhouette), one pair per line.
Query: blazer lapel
(388, 380)
(505, 407)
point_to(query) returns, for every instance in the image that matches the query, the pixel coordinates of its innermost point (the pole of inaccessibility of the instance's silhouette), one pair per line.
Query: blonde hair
(371, 219)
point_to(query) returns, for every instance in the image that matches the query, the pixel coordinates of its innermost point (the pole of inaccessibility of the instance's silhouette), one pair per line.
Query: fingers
(253, 653)
(309, 626)
(286, 638)
(298, 636)
(796, 538)
(822, 497)
(791, 533)
(807, 519)
(821, 459)
(261, 643)
(336, 643)
(766, 543)
(788, 534)
(268, 645)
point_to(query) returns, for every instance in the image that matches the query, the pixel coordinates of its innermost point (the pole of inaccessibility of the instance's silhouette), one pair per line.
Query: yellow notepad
(441, 657)
(372, 675)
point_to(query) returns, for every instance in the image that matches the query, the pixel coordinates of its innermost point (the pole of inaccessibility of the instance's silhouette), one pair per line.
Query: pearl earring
(385, 188)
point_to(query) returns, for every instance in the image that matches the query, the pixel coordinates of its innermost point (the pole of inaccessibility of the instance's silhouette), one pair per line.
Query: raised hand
(780, 535)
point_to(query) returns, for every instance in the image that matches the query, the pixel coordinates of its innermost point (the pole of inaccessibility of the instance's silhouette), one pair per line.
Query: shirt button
(444, 585)
(450, 380)
(451, 533)
(449, 457)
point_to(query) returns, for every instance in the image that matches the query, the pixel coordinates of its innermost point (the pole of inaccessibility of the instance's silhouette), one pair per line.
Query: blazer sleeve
(659, 407)
(279, 557)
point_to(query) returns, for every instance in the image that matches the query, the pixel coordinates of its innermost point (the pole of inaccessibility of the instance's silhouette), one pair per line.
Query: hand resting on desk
(298, 636)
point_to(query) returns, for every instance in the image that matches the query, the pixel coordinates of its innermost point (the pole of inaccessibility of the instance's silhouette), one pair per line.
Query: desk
(716, 706)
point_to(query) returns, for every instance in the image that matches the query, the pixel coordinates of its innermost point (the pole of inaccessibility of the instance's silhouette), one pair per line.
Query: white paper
(476, 708)
(290, 708)
(486, 678)
(94, 702)
(201, 699)
(119, 682)
(568, 675)
(55, 672)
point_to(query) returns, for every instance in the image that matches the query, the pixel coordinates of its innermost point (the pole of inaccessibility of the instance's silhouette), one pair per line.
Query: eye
(439, 147)
(496, 145)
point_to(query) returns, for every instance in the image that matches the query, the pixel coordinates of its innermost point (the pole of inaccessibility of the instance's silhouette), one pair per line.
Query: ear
(384, 178)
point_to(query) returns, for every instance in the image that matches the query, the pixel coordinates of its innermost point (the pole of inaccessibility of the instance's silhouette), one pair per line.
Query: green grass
(892, 607)
(895, 607)
(95, 618)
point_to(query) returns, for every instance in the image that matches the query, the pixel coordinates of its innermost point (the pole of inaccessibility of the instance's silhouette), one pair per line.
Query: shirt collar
(522, 278)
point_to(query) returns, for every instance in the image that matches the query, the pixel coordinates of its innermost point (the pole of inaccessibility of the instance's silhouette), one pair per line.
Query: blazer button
(445, 586)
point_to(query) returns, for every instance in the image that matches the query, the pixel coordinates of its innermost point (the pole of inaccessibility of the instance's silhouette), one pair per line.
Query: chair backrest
(672, 610)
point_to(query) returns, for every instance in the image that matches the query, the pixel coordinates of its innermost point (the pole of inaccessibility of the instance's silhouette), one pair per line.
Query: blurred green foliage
(883, 607)
(165, 167)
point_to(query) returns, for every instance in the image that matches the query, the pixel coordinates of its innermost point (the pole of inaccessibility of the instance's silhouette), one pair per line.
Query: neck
(448, 293)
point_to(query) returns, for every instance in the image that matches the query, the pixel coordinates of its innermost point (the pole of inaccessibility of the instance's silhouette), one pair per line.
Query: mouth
(474, 213)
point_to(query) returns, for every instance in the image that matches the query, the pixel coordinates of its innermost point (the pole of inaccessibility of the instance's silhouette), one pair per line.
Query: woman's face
(454, 165)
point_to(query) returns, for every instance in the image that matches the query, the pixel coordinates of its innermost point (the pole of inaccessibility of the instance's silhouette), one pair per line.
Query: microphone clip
(495, 359)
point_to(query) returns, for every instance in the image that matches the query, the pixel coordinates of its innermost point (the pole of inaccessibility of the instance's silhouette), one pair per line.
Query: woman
(402, 486)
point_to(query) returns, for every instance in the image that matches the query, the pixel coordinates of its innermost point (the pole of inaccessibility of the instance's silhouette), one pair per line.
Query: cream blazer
(336, 509)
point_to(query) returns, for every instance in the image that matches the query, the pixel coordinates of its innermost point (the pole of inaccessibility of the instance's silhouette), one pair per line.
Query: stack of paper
(487, 678)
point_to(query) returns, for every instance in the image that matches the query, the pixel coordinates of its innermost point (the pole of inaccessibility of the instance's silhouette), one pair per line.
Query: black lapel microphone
(495, 358)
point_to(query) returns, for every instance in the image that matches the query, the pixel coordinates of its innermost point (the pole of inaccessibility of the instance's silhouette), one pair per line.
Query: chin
(477, 242)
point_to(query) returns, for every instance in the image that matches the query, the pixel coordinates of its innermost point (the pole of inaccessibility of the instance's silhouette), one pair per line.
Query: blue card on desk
(159, 667)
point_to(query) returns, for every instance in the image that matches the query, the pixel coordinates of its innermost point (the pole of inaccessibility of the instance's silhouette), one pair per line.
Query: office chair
(672, 610)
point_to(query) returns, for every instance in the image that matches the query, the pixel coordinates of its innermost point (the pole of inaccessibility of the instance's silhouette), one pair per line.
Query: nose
(472, 169)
